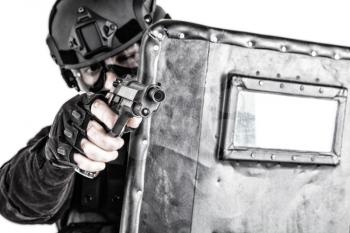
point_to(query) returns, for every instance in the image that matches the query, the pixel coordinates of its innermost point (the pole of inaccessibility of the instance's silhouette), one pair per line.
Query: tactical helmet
(84, 32)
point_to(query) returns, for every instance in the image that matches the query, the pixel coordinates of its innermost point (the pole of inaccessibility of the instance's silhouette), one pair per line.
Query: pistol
(130, 98)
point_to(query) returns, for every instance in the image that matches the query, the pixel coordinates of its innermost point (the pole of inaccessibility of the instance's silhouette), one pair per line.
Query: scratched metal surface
(253, 197)
(172, 158)
(186, 187)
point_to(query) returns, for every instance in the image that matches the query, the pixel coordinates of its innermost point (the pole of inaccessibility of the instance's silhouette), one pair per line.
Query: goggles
(93, 78)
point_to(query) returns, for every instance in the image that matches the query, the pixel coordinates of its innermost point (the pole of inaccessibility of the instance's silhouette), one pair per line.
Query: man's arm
(31, 189)
(36, 185)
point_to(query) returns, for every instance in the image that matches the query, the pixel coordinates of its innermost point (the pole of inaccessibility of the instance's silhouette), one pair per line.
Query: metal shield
(253, 135)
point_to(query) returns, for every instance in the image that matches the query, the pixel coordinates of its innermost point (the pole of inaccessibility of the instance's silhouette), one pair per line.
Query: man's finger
(134, 122)
(87, 164)
(97, 135)
(97, 154)
(103, 112)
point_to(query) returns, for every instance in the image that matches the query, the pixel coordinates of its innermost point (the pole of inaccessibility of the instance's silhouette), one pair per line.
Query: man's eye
(121, 58)
(92, 70)
(95, 67)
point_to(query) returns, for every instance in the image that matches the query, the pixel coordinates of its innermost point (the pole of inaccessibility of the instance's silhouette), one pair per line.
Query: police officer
(94, 42)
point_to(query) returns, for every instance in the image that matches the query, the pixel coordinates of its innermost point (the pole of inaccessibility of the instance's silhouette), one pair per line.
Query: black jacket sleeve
(31, 189)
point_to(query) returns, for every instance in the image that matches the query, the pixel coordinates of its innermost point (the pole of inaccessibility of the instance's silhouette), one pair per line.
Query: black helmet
(84, 32)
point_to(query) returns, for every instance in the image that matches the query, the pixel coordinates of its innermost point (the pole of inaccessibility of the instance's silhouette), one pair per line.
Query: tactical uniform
(39, 184)
(34, 191)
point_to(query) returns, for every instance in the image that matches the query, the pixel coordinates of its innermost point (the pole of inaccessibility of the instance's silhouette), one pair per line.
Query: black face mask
(120, 71)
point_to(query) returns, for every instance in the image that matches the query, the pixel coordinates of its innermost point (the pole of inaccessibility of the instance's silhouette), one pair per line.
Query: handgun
(130, 98)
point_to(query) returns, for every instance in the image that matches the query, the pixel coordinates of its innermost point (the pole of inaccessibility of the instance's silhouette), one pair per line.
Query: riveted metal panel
(177, 180)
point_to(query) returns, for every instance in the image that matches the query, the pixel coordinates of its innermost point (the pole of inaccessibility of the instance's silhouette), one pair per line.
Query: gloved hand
(78, 137)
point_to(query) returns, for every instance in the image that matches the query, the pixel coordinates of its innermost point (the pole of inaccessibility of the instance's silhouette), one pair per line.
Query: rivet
(283, 48)
(252, 155)
(160, 36)
(297, 77)
(301, 87)
(219, 180)
(181, 35)
(261, 82)
(273, 157)
(145, 111)
(293, 158)
(213, 39)
(113, 27)
(257, 72)
(88, 198)
(313, 53)
(278, 75)
(336, 56)
(236, 81)
(312, 159)
(250, 43)
(81, 10)
(148, 19)
(320, 90)
(156, 48)
(317, 80)
(282, 85)
(144, 141)
(116, 198)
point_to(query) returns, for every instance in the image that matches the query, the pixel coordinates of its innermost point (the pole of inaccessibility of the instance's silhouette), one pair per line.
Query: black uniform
(39, 184)
(34, 191)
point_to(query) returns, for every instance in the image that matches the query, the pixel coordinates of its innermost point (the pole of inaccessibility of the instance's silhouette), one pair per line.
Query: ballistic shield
(253, 135)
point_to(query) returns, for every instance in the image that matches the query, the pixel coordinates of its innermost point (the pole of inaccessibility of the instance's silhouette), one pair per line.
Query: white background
(31, 87)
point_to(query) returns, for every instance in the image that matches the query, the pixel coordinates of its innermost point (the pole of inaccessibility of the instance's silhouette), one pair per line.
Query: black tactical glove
(67, 130)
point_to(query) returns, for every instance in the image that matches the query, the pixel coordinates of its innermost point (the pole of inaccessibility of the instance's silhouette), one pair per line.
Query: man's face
(91, 75)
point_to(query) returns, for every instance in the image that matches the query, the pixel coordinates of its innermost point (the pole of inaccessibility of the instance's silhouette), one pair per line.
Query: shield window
(268, 120)
(284, 122)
